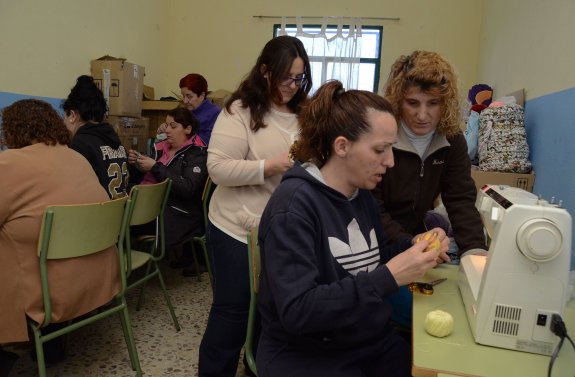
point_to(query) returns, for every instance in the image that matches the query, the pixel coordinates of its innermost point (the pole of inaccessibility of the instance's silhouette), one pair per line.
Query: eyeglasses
(298, 81)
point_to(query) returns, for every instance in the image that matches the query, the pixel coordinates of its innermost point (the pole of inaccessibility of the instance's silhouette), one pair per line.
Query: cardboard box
(160, 105)
(133, 132)
(149, 93)
(219, 97)
(122, 84)
(156, 111)
(524, 181)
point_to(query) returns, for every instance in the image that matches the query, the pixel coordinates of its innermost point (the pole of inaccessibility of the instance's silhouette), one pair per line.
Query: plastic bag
(472, 135)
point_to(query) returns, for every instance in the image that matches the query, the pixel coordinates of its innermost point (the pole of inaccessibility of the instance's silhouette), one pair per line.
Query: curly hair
(430, 72)
(330, 113)
(31, 121)
(256, 94)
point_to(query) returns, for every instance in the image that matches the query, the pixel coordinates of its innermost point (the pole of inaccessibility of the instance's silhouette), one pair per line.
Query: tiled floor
(99, 349)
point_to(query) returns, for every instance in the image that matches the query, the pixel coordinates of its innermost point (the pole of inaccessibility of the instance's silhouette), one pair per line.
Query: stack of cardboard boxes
(122, 84)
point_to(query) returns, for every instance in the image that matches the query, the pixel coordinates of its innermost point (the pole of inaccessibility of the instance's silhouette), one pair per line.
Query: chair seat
(139, 258)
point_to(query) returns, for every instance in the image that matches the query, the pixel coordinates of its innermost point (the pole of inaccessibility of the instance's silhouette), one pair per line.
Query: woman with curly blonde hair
(430, 158)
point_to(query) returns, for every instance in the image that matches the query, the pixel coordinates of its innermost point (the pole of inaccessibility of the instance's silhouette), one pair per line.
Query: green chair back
(206, 196)
(79, 232)
(75, 231)
(254, 264)
(148, 203)
(254, 261)
(209, 188)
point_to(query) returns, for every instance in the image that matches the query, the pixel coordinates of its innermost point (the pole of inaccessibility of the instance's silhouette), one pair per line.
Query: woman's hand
(143, 163)
(162, 128)
(412, 264)
(133, 156)
(444, 244)
(277, 165)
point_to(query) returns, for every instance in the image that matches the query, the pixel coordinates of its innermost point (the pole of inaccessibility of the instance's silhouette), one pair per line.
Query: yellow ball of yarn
(439, 323)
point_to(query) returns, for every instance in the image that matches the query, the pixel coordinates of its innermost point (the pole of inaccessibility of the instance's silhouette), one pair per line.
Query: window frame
(376, 61)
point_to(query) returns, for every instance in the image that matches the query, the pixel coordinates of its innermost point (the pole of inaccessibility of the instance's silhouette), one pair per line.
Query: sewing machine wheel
(539, 240)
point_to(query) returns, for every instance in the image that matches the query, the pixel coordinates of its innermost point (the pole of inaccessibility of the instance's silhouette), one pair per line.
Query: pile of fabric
(495, 133)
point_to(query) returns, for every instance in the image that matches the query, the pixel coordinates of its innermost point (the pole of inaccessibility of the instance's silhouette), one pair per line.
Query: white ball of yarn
(439, 323)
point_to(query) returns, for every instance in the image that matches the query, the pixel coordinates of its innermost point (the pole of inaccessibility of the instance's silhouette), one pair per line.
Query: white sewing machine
(510, 294)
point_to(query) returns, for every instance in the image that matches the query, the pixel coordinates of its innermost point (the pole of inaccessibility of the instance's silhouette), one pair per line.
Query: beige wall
(237, 37)
(52, 42)
(528, 44)
(45, 45)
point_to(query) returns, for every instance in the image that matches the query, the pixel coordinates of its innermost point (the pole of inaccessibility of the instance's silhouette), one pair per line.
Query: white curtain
(334, 52)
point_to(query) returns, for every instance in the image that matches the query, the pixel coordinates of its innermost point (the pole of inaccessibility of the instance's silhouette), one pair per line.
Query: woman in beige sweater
(247, 156)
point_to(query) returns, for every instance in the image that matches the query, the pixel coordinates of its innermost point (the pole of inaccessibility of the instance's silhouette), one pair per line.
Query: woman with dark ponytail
(327, 266)
(96, 140)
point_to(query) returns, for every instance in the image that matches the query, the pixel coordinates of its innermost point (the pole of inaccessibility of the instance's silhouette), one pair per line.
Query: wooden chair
(75, 231)
(147, 204)
(254, 264)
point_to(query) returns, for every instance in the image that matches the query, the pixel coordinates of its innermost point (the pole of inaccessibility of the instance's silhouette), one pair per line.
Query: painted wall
(46, 45)
(527, 44)
(238, 37)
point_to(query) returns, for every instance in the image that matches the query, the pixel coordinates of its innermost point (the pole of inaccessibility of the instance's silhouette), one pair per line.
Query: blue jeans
(401, 306)
(225, 333)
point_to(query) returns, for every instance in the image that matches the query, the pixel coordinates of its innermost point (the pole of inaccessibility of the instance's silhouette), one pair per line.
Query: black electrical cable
(558, 328)
(554, 356)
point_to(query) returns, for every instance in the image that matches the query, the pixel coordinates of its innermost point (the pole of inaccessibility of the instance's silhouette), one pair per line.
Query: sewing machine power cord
(558, 328)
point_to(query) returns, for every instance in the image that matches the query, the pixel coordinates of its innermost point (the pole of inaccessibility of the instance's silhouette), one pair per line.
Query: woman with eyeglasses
(247, 156)
(430, 160)
(194, 89)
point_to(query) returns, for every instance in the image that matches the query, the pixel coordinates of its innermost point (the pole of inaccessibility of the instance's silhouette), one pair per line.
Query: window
(322, 61)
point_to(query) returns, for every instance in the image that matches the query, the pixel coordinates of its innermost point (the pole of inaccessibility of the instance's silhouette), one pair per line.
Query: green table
(459, 355)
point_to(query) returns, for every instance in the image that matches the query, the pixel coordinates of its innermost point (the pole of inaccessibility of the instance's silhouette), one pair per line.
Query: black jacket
(101, 146)
(324, 284)
(183, 216)
(409, 189)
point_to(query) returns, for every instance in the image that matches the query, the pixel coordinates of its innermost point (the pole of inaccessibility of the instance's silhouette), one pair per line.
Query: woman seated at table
(39, 170)
(327, 267)
(182, 158)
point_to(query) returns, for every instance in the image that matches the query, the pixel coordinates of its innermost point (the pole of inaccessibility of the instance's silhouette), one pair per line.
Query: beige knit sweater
(236, 158)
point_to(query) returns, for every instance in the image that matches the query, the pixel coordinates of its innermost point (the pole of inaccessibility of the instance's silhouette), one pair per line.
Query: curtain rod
(363, 18)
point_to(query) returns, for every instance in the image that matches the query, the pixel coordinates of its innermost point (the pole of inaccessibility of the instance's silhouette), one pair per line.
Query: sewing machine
(510, 294)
